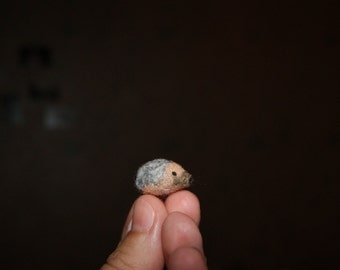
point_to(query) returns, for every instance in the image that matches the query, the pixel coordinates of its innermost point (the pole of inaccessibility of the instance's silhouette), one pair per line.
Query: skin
(158, 233)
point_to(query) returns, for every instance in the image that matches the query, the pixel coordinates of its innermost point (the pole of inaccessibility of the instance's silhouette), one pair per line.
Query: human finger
(182, 243)
(140, 247)
(185, 202)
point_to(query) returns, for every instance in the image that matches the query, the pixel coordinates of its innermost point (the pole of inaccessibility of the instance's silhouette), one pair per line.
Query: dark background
(245, 95)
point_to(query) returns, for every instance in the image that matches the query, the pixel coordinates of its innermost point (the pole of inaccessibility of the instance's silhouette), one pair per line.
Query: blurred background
(245, 95)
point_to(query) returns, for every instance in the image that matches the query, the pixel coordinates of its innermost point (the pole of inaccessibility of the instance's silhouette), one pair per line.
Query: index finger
(184, 202)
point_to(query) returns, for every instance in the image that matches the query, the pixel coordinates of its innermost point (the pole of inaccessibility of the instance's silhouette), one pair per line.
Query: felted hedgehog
(161, 177)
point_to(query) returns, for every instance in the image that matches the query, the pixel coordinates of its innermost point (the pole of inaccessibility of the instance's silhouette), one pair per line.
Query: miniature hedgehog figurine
(161, 177)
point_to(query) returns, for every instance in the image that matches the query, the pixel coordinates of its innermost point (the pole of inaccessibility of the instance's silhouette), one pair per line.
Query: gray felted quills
(161, 177)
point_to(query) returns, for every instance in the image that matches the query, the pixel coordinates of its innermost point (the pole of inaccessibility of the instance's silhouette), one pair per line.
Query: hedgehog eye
(174, 173)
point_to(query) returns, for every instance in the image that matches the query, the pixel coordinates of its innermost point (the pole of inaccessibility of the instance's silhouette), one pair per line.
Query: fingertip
(185, 202)
(141, 247)
(187, 258)
(178, 231)
(154, 202)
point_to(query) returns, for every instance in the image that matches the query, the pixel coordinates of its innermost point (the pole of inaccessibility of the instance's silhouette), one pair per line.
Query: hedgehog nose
(191, 179)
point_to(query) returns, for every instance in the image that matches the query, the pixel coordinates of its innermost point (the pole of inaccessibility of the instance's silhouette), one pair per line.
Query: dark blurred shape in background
(245, 95)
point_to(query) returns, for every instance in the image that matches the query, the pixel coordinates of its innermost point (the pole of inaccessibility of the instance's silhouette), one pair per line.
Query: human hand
(160, 233)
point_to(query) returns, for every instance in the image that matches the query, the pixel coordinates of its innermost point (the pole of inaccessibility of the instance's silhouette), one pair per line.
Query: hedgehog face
(175, 177)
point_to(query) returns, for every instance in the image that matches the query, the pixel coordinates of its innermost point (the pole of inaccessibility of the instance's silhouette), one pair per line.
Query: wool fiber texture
(151, 172)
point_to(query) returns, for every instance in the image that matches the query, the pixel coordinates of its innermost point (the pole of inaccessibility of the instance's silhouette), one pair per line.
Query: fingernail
(143, 216)
(129, 226)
